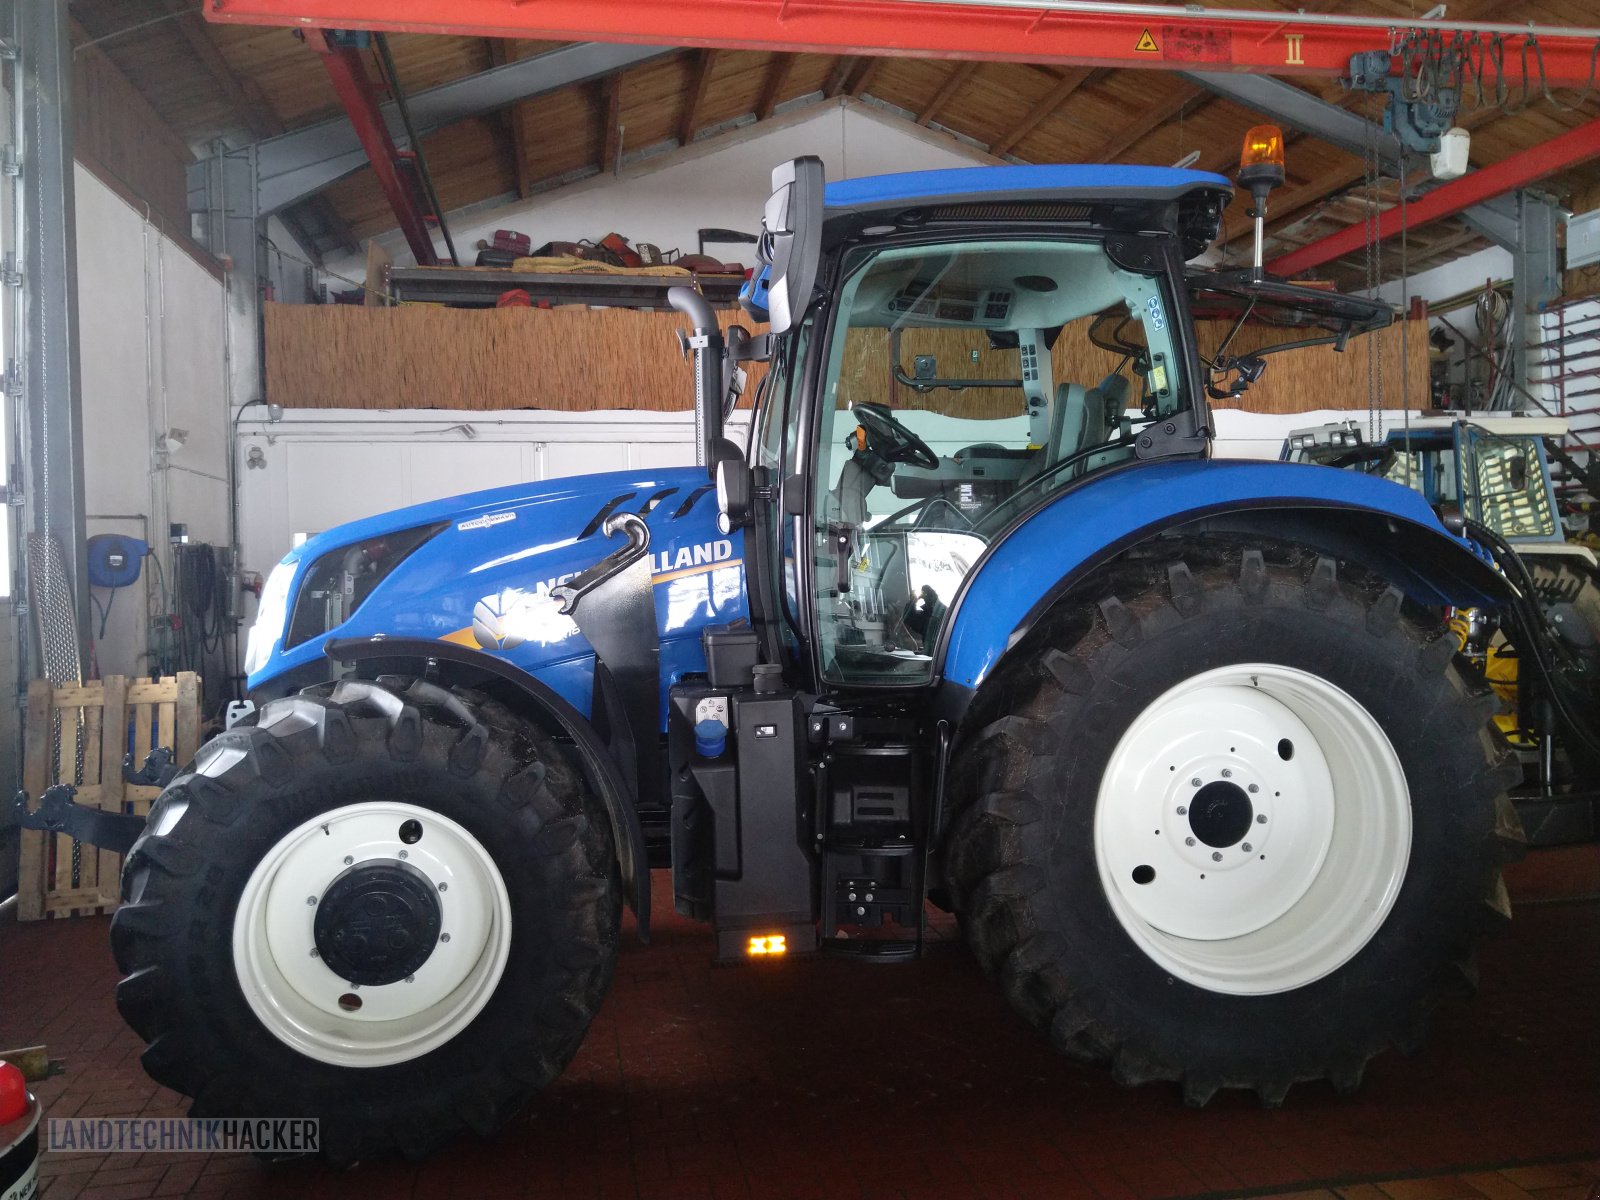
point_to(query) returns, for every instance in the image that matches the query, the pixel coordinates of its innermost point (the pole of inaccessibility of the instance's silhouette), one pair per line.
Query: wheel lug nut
(1261, 818)
(1188, 841)
(348, 859)
(1216, 856)
(1245, 847)
(411, 978)
(314, 953)
(444, 887)
(312, 901)
(1195, 782)
(444, 937)
(1226, 773)
(1183, 810)
(1253, 788)
(403, 854)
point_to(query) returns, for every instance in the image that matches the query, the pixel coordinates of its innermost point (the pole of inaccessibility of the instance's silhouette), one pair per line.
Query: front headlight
(271, 612)
(340, 581)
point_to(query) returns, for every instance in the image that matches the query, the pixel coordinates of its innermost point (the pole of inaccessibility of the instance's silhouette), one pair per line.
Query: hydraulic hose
(1538, 637)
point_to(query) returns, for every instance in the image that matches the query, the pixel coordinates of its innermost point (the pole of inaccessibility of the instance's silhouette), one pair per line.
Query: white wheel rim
(1321, 871)
(294, 993)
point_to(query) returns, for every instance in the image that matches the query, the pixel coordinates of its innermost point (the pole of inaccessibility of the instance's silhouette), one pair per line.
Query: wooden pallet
(108, 719)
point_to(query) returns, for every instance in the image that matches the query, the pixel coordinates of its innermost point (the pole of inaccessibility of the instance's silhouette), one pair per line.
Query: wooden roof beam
(1124, 139)
(862, 79)
(513, 124)
(843, 68)
(777, 80)
(243, 94)
(952, 84)
(1070, 82)
(695, 96)
(611, 133)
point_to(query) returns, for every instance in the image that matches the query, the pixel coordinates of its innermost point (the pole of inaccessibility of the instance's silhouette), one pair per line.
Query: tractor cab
(951, 350)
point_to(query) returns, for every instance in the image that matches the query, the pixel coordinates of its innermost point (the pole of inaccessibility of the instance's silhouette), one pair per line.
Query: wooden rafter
(1070, 82)
(777, 80)
(952, 84)
(513, 124)
(611, 134)
(694, 96)
(338, 228)
(862, 78)
(1146, 123)
(843, 68)
(243, 94)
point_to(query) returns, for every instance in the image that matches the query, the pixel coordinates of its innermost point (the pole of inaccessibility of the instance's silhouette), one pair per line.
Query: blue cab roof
(1043, 182)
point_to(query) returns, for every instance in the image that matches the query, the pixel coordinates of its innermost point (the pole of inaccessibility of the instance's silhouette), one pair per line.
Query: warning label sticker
(1147, 44)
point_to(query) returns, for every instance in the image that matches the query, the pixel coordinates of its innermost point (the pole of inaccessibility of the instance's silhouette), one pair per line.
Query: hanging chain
(1371, 265)
(1405, 320)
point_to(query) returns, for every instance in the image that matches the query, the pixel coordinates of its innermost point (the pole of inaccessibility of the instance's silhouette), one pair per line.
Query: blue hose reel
(115, 559)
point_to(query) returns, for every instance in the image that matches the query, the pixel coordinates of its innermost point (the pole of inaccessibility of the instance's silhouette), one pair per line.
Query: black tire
(1021, 857)
(455, 753)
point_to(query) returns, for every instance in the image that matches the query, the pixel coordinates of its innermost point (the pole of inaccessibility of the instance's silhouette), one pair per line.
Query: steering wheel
(892, 441)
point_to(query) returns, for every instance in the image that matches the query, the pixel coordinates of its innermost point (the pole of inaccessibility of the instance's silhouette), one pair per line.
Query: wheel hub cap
(1221, 813)
(372, 933)
(378, 923)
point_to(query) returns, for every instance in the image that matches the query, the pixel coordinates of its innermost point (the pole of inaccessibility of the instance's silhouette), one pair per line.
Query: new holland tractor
(973, 619)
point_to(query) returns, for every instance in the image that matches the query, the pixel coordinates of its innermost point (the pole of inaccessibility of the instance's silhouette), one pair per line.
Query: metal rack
(480, 287)
(1569, 362)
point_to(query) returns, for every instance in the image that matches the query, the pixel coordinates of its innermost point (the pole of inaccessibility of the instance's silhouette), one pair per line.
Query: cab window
(965, 382)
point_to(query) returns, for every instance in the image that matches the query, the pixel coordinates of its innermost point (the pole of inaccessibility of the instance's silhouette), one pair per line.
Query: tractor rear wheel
(1232, 822)
(387, 905)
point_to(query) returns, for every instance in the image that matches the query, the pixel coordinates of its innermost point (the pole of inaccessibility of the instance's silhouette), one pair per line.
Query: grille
(1028, 211)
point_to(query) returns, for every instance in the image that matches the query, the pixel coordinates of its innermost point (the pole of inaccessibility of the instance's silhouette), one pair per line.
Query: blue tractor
(973, 619)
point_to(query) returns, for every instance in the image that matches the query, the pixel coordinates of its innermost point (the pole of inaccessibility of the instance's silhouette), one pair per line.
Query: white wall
(323, 468)
(152, 357)
(722, 182)
(1452, 278)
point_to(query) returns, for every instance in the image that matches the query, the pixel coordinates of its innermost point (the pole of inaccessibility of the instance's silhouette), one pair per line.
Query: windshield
(964, 381)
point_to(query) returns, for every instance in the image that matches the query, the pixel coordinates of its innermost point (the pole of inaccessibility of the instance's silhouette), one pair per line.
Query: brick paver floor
(824, 1078)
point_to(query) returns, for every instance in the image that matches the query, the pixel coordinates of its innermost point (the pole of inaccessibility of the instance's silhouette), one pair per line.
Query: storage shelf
(480, 287)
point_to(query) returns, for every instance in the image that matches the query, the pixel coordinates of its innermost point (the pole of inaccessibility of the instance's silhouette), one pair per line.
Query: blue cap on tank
(710, 738)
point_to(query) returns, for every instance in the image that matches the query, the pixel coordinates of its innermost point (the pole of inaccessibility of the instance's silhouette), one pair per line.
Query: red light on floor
(14, 1092)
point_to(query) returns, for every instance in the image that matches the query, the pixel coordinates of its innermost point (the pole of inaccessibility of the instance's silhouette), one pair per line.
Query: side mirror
(733, 489)
(791, 238)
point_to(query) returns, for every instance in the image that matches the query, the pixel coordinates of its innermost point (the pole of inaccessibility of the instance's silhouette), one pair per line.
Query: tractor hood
(478, 570)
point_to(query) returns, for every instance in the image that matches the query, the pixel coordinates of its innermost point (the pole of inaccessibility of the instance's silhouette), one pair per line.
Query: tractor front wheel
(389, 906)
(1234, 823)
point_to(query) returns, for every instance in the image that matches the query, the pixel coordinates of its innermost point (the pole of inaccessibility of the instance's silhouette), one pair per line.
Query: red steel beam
(1193, 42)
(354, 87)
(1529, 166)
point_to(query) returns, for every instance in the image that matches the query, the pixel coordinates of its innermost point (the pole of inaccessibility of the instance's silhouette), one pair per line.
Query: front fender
(1342, 512)
(447, 662)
